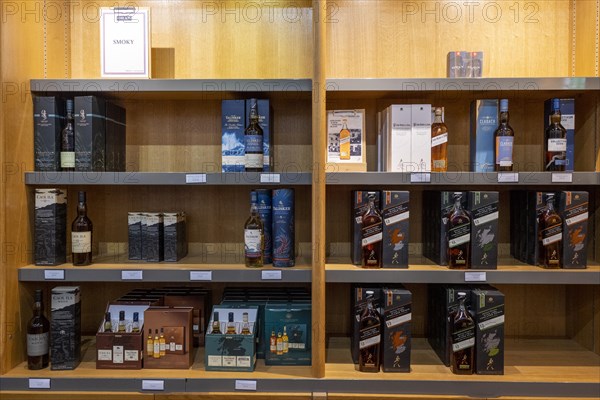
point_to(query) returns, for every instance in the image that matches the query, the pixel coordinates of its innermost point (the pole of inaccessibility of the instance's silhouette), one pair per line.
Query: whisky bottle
(286, 341)
(370, 337)
(556, 141)
(156, 349)
(81, 234)
(107, 323)
(67, 142)
(231, 325)
(463, 339)
(135, 326)
(550, 236)
(459, 235)
(372, 236)
(504, 137)
(279, 344)
(245, 324)
(122, 325)
(162, 343)
(439, 143)
(38, 331)
(344, 141)
(273, 343)
(254, 141)
(150, 344)
(253, 237)
(216, 325)
(172, 346)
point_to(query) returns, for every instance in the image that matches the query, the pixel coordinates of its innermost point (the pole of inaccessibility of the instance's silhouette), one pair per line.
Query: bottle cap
(438, 111)
(82, 197)
(70, 105)
(504, 105)
(556, 104)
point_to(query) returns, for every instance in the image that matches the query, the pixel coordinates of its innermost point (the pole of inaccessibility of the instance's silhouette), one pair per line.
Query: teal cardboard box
(253, 302)
(287, 333)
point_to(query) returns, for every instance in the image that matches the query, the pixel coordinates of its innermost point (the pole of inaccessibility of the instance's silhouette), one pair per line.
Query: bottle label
(81, 242)
(372, 234)
(485, 214)
(254, 151)
(504, 151)
(285, 347)
(438, 164)
(252, 242)
(463, 339)
(369, 337)
(490, 318)
(398, 316)
(150, 347)
(172, 346)
(253, 160)
(396, 214)
(459, 235)
(439, 139)
(67, 159)
(552, 234)
(556, 145)
(37, 344)
(156, 347)
(162, 347)
(273, 347)
(118, 353)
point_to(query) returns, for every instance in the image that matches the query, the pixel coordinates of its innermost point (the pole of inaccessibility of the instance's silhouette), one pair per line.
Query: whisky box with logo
(487, 306)
(346, 141)
(484, 121)
(536, 203)
(396, 321)
(567, 120)
(473, 64)
(573, 209)
(174, 236)
(152, 237)
(265, 210)
(121, 350)
(134, 235)
(358, 305)
(176, 324)
(283, 206)
(48, 122)
(233, 118)
(455, 65)
(246, 301)
(420, 139)
(398, 138)
(293, 321)
(200, 300)
(265, 120)
(65, 328)
(484, 207)
(233, 351)
(360, 202)
(50, 226)
(90, 133)
(395, 214)
(115, 137)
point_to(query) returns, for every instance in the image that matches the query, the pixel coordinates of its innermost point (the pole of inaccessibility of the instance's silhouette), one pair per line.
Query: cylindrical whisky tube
(283, 228)
(263, 197)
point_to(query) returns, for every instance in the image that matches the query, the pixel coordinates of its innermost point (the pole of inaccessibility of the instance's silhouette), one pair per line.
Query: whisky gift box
(346, 134)
(65, 328)
(174, 236)
(134, 236)
(284, 238)
(484, 207)
(115, 137)
(473, 64)
(50, 226)
(121, 350)
(358, 305)
(90, 133)
(395, 213)
(152, 237)
(360, 202)
(265, 120)
(48, 121)
(484, 121)
(233, 117)
(487, 305)
(567, 120)
(397, 317)
(420, 138)
(178, 321)
(200, 300)
(536, 203)
(265, 210)
(293, 321)
(398, 138)
(573, 209)
(455, 65)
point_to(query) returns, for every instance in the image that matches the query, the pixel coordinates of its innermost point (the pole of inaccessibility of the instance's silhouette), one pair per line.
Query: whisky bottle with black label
(550, 236)
(369, 356)
(463, 339)
(372, 236)
(38, 330)
(459, 235)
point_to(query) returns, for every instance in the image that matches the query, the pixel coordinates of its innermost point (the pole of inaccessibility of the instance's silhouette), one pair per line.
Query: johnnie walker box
(48, 120)
(134, 224)
(90, 133)
(395, 213)
(487, 306)
(396, 321)
(50, 226)
(232, 136)
(573, 209)
(265, 120)
(65, 328)
(360, 202)
(483, 207)
(115, 137)
(152, 237)
(536, 203)
(484, 121)
(359, 303)
(174, 236)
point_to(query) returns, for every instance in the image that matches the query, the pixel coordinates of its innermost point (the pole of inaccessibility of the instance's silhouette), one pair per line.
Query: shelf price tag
(508, 177)
(54, 274)
(132, 275)
(245, 385)
(195, 178)
(271, 275)
(200, 275)
(420, 177)
(39, 383)
(153, 384)
(475, 277)
(562, 177)
(270, 178)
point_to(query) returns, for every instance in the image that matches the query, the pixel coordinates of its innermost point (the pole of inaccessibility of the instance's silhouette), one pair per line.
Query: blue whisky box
(484, 121)
(232, 135)
(265, 120)
(263, 198)
(291, 320)
(567, 120)
(283, 228)
(48, 121)
(396, 327)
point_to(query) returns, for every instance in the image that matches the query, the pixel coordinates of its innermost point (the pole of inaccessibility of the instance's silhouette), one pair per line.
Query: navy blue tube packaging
(283, 228)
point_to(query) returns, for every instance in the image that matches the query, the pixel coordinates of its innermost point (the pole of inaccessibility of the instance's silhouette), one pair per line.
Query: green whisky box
(484, 207)
(291, 320)
(397, 317)
(487, 305)
(573, 209)
(395, 214)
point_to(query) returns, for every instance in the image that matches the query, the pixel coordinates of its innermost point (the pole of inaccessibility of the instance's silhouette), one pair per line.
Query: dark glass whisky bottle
(463, 339)
(556, 141)
(504, 137)
(216, 325)
(372, 236)
(67, 141)
(81, 234)
(459, 235)
(107, 322)
(253, 137)
(549, 236)
(370, 337)
(254, 236)
(38, 331)
(439, 142)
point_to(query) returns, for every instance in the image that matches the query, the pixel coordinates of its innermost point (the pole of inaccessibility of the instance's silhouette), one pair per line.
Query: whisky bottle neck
(504, 117)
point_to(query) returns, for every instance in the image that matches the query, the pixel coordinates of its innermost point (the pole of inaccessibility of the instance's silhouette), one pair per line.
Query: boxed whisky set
(50, 226)
(156, 237)
(346, 141)
(464, 64)
(175, 327)
(289, 320)
(65, 328)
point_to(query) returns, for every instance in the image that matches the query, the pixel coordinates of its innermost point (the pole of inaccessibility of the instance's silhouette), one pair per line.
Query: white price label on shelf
(475, 277)
(562, 177)
(153, 384)
(54, 274)
(271, 275)
(132, 275)
(200, 275)
(508, 177)
(270, 178)
(245, 385)
(420, 177)
(195, 178)
(39, 383)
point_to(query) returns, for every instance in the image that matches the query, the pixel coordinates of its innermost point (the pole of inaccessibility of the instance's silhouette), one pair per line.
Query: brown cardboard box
(201, 303)
(173, 320)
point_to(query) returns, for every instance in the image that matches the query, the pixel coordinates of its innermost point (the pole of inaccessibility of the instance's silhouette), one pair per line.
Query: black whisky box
(115, 137)
(65, 328)
(484, 209)
(359, 303)
(518, 225)
(573, 209)
(536, 203)
(50, 226)
(396, 321)
(48, 121)
(175, 242)
(90, 133)
(395, 214)
(152, 237)
(134, 224)
(487, 305)
(360, 202)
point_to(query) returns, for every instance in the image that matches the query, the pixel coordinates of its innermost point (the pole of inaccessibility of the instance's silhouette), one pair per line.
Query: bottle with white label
(369, 356)
(81, 234)
(463, 339)
(504, 138)
(439, 142)
(38, 328)
(556, 141)
(253, 237)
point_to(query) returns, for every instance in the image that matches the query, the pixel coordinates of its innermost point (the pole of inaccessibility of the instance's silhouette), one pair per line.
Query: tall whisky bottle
(439, 143)
(67, 141)
(463, 339)
(344, 141)
(550, 236)
(81, 234)
(504, 137)
(372, 236)
(253, 237)
(369, 356)
(556, 141)
(459, 235)
(253, 137)
(38, 331)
